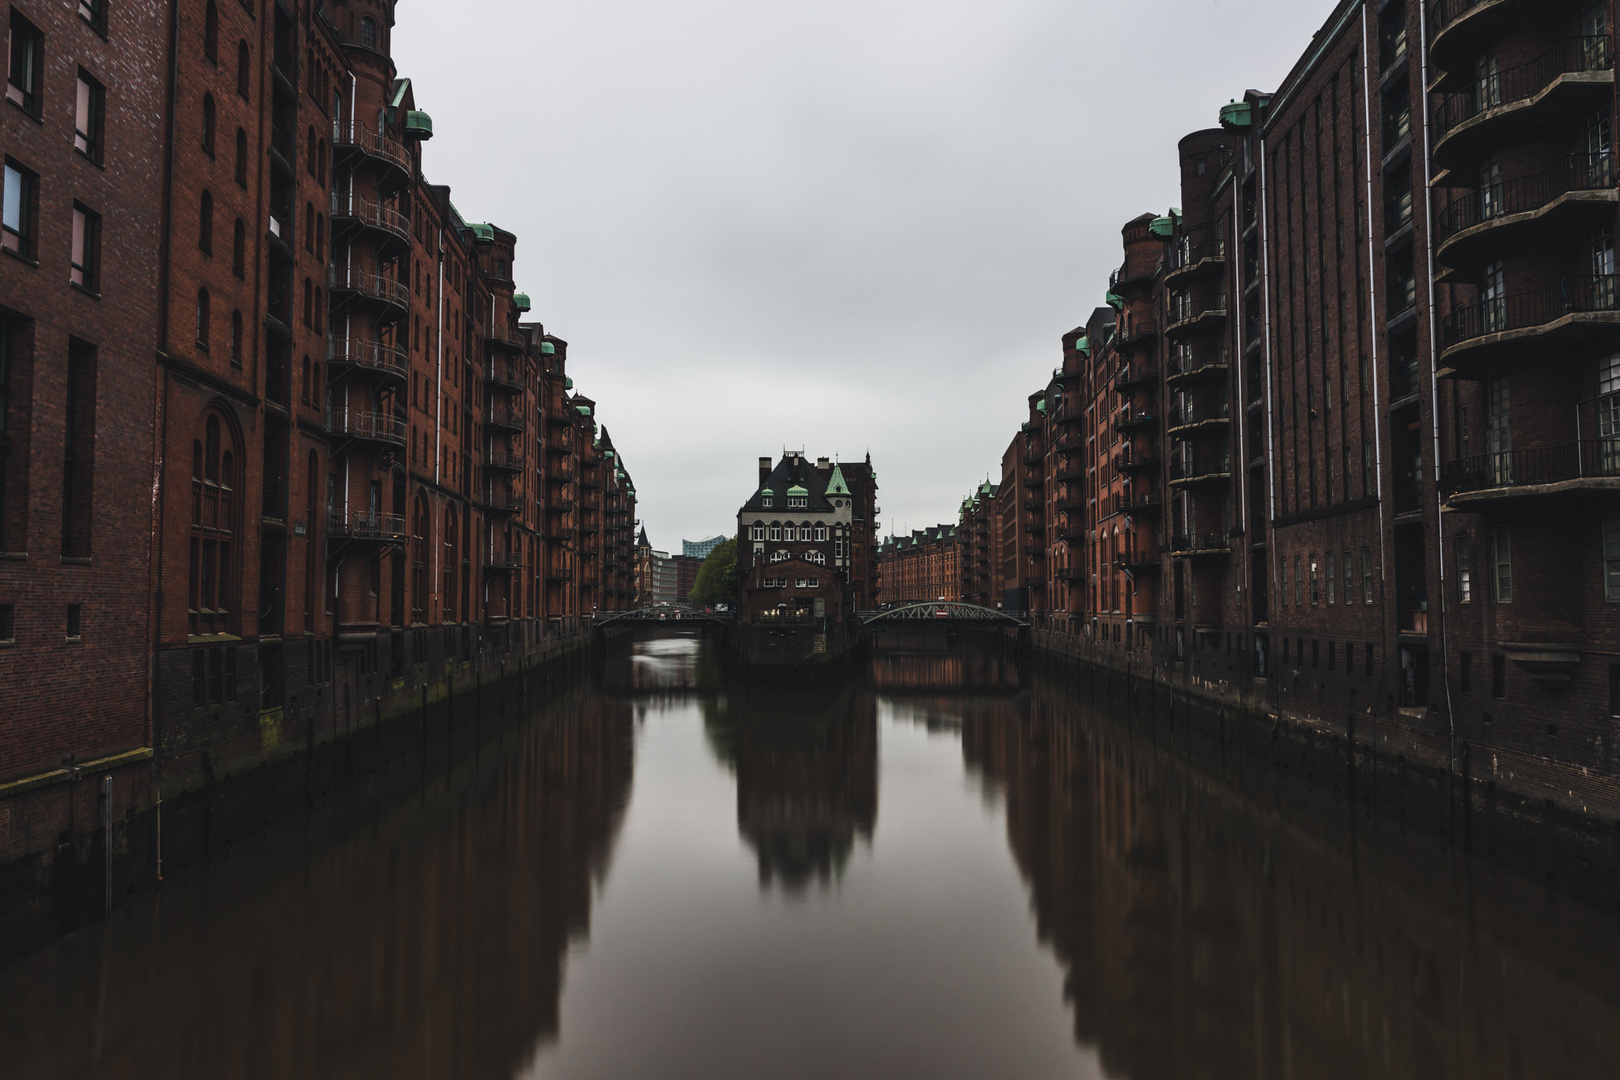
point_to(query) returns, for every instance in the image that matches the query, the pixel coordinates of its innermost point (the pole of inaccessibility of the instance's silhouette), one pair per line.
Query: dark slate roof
(792, 471)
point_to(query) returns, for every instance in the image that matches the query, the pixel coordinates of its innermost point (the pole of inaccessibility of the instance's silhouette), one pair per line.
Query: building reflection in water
(423, 940)
(806, 770)
(1209, 927)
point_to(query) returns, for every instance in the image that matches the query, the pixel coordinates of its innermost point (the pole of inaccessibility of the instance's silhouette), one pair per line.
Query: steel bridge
(943, 613)
(661, 615)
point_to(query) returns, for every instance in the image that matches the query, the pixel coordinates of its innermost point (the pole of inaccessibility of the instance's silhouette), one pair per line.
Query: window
(1465, 571)
(75, 622)
(210, 117)
(94, 12)
(1316, 592)
(368, 32)
(17, 218)
(202, 319)
(1614, 686)
(1498, 676)
(86, 266)
(205, 223)
(799, 583)
(1608, 415)
(244, 75)
(789, 533)
(241, 159)
(1611, 558)
(236, 338)
(211, 31)
(26, 71)
(1501, 556)
(1493, 299)
(1349, 582)
(758, 532)
(776, 532)
(1332, 580)
(239, 248)
(213, 518)
(1299, 583)
(89, 108)
(797, 500)
(778, 556)
(1498, 433)
(8, 624)
(765, 499)
(1366, 575)
(1286, 580)
(821, 532)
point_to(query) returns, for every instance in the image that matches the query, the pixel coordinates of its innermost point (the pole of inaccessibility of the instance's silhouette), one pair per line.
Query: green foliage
(717, 577)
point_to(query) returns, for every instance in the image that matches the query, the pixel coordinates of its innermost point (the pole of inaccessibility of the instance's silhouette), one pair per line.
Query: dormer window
(765, 499)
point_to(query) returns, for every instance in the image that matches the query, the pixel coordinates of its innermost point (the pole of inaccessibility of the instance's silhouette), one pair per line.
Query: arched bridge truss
(947, 612)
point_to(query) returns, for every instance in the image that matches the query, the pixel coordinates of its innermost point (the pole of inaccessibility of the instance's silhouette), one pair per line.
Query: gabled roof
(836, 484)
(794, 475)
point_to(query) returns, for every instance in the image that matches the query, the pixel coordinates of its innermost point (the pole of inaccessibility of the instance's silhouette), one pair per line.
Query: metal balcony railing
(367, 284)
(1524, 81)
(1578, 172)
(362, 525)
(370, 213)
(507, 376)
(1197, 467)
(1184, 542)
(503, 459)
(373, 355)
(1525, 311)
(1588, 458)
(1191, 250)
(506, 502)
(504, 560)
(506, 339)
(364, 424)
(1196, 413)
(351, 134)
(507, 419)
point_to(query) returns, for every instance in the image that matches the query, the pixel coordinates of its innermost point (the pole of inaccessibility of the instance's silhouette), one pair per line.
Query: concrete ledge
(62, 776)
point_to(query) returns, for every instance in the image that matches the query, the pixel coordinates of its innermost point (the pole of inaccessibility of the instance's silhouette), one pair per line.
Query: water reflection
(423, 940)
(807, 777)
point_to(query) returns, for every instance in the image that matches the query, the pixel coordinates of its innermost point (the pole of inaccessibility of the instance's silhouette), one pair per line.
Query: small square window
(94, 12)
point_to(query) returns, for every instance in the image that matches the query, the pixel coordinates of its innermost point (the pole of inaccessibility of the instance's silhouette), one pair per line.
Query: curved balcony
(1574, 73)
(1576, 192)
(505, 420)
(1134, 463)
(390, 228)
(499, 337)
(1568, 312)
(1200, 544)
(1191, 258)
(1196, 471)
(1136, 272)
(1134, 374)
(1193, 322)
(354, 142)
(1537, 472)
(358, 526)
(1137, 505)
(390, 296)
(1459, 31)
(1197, 420)
(503, 561)
(503, 461)
(1185, 369)
(372, 356)
(503, 502)
(1138, 562)
(384, 429)
(502, 375)
(1134, 332)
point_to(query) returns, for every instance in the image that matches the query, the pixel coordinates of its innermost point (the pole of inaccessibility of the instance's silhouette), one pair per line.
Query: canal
(956, 867)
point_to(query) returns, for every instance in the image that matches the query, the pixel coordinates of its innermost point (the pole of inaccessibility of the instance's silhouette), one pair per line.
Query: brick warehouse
(303, 453)
(1298, 454)
(919, 568)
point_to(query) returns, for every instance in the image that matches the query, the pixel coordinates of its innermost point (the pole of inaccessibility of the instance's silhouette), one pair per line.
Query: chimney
(822, 463)
(764, 470)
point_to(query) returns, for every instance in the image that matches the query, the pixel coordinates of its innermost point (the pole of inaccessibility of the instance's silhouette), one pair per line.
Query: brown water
(914, 877)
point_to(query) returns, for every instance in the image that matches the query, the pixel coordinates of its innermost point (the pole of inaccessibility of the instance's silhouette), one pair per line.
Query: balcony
(1568, 312)
(1185, 367)
(356, 142)
(498, 337)
(1461, 29)
(1575, 73)
(1537, 472)
(505, 420)
(503, 375)
(503, 461)
(372, 356)
(364, 285)
(1200, 544)
(1191, 320)
(560, 573)
(501, 561)
(504, 502)
(1132, 375)
(1193, 418)
(1138, 562)
(1200, 471)
(1573, 194)
(1192, 257)
(1135, 504)
(1138, 271)
(1134, 332)
(1134, 463)
(384, 429)
(1134, 419)
(358, 526)
(391, 228)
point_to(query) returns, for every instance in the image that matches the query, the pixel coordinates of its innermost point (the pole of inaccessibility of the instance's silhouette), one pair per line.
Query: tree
(717, 577)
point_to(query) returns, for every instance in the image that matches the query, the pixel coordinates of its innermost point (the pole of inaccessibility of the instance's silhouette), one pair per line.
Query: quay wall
(1553, 824)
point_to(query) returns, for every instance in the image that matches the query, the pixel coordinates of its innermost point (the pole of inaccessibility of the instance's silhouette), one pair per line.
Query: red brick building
(805, 545)
(920, 568)
(276, 436)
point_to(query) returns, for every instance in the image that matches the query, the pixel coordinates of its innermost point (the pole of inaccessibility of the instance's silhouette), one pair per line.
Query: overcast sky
(837, 225)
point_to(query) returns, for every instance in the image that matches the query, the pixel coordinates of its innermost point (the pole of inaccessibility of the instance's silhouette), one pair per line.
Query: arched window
(320, 237)
(320, 163)
(236, 338)
(419, 560)
(211, 32)
(309, 227)
(450, 561)
(239, 248)
(241, 158)
(202, 319)
(309, 150)
(244, 60)
(205, 223)
(315, 391)
(309, 302)
(303, 386)
(213, 527)
(368, 32)
(209, 115)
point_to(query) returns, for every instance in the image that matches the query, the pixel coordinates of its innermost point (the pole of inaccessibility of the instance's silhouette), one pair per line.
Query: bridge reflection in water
(1048, 891)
